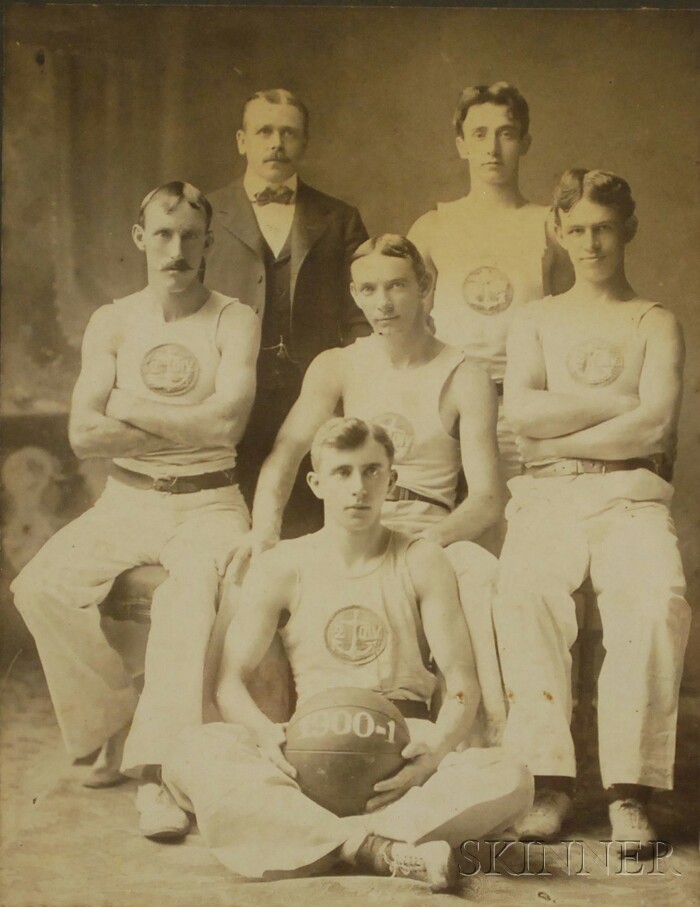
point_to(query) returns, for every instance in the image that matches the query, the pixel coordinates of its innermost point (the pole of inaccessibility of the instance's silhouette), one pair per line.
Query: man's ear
(630, 228)
(208, 242)
(525, 143)
(426, 284)
(393, 479)
(137, 236)
(462, 147)
(240, 141)
(354, 293)
(312, 481)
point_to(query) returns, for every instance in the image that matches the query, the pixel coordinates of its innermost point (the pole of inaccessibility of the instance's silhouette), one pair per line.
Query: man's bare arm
(651, 427)
(473, 396)
(449, 641)
(264, 595)
(91, 432)
(538, 413)
(448, 637)
(320, 394)
(220, 419)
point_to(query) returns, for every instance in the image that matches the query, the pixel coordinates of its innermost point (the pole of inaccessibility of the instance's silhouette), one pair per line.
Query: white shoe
(544, 821)
(433, 863)
(159, 815)
(631, 828)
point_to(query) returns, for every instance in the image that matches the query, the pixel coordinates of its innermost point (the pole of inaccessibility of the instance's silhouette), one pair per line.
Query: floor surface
(66, 846)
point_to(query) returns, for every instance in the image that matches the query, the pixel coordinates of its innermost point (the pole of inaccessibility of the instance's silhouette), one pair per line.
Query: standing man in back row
(492, 250)
(284, 249)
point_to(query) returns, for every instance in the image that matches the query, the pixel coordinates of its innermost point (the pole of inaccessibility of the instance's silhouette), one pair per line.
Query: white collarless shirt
(274, 219)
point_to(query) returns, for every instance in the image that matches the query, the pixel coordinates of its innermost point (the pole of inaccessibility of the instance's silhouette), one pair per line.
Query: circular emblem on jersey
(487, 290)
(356, 634)
(169, 369)
(400, 431)
(595, 362)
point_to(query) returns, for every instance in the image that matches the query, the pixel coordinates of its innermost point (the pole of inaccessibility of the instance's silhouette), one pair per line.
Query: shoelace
(404, 865)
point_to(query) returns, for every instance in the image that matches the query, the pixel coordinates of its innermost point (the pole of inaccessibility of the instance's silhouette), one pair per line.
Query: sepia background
(103, 103)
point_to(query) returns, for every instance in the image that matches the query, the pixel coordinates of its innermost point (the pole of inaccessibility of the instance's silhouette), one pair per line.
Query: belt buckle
(165, 484)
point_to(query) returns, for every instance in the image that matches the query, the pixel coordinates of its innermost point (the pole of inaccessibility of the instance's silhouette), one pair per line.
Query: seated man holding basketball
(357, 606)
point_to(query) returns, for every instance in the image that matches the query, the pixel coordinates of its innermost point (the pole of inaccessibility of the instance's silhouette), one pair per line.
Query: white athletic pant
(618, 528)
(477, 571)
(59, 591)
(257, 821)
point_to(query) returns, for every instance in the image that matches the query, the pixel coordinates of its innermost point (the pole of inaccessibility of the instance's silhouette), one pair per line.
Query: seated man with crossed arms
(593, 390)
(165, 389)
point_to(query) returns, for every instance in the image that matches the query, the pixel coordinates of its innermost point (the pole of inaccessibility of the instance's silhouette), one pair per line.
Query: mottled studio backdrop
(104, 103)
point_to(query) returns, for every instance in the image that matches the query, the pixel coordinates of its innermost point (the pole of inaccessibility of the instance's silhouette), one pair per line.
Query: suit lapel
(309, 224)
(235, 212)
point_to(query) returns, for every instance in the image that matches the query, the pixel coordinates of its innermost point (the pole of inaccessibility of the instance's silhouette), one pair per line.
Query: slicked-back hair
(393, 245)
(598, 186)
(502, 93)
(171, 195)
(278, 96)
(342, 433)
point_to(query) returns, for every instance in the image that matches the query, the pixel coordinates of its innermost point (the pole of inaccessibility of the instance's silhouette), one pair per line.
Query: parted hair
(171, 194)
(502, 93)
(393, 245)
(278, 96)
(342, 433)
(599, 186)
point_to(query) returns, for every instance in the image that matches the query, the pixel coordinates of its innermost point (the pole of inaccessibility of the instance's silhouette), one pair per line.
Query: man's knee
(472, 562)
(31, 587)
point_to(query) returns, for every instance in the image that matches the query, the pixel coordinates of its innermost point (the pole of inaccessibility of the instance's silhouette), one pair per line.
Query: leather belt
(412, 708)
(174, 484)
(399, 493)
(572, 467)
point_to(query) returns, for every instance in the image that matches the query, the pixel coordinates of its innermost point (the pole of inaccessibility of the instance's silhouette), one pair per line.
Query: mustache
(179, 265)
(278, 158)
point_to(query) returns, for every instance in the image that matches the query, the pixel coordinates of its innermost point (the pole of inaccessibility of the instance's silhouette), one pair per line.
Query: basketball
(341, 742)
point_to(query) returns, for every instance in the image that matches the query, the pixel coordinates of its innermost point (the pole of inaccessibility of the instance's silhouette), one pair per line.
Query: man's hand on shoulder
(251, 546)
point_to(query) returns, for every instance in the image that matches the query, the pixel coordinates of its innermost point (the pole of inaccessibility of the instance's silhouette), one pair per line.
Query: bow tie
(280, 195)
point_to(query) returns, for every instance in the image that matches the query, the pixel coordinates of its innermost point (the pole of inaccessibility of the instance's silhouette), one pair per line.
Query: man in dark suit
(283, 248)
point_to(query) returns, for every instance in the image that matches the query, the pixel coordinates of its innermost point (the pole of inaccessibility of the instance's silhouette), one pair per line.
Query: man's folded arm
(536, 412)
(91, 432)
(650, 428)
(219, 420)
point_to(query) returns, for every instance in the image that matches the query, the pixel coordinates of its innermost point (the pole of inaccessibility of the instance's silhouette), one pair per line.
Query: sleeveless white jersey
(406, 402)
(356, 631)
(589, 348)
(485, 271)
(172, 362)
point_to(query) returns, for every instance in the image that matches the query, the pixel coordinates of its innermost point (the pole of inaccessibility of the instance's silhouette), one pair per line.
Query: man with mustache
(283, 248)
(166, 386)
